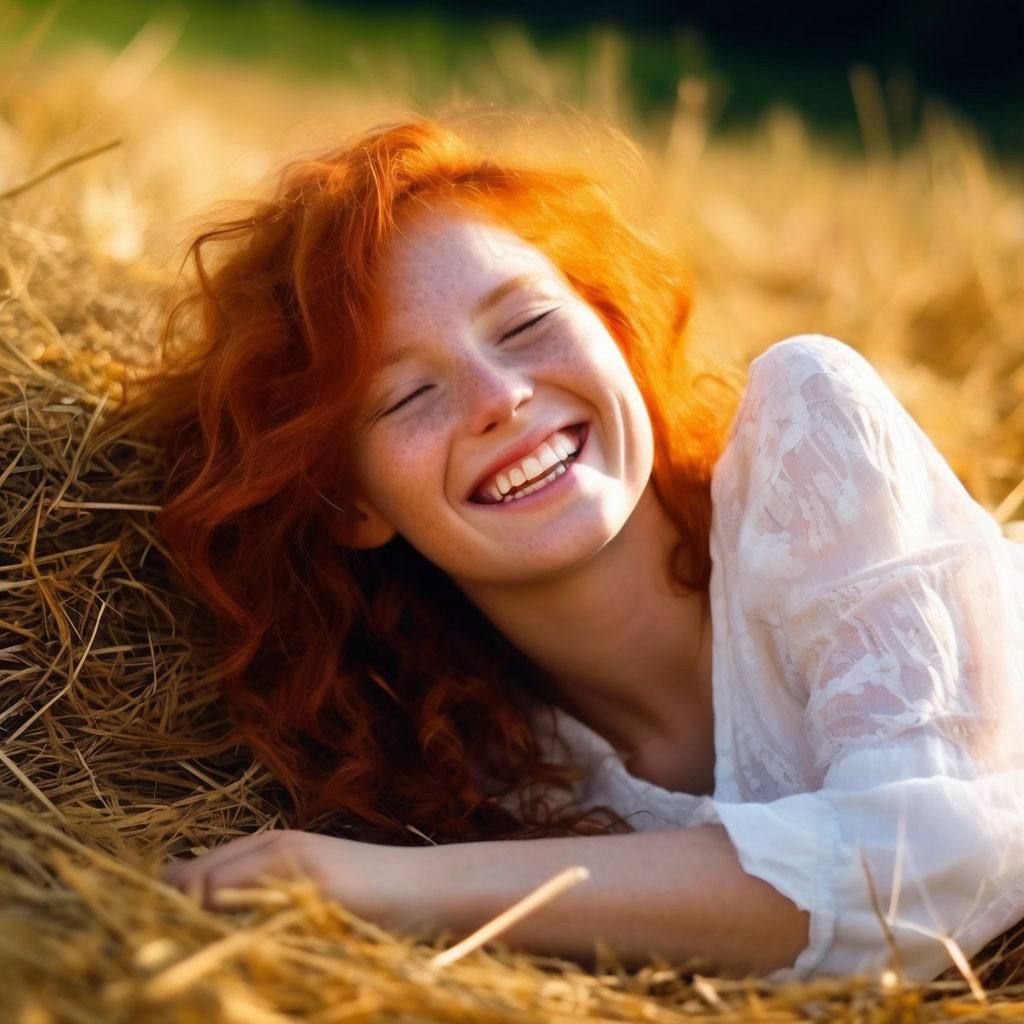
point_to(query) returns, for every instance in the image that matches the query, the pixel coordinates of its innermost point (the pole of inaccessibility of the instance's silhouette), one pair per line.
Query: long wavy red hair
(364, 679)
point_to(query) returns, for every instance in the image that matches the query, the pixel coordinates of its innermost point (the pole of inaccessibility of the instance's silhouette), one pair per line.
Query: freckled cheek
(592, 372)
(407, 470)
(566, 360)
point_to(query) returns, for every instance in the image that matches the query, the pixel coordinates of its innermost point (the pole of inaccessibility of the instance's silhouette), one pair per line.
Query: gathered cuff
(792, 844)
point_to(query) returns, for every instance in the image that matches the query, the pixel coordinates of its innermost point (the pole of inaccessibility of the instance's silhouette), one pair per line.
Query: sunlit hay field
(106, 727)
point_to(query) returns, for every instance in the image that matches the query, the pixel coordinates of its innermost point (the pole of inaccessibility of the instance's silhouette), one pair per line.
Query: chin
(552, 549)
(562, 560)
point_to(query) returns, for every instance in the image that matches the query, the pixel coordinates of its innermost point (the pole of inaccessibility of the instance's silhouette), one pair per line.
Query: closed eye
(408, 398)
(511, 334)
(526, 326)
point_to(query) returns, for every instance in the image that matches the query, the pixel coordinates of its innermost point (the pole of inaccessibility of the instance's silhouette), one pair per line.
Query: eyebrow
(488, 302)
(495, 295)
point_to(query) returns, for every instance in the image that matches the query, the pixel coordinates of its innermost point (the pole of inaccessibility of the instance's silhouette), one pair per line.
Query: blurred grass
(434, 52)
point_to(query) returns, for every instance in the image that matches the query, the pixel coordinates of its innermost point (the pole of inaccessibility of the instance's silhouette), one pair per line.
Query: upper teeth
(550, 452)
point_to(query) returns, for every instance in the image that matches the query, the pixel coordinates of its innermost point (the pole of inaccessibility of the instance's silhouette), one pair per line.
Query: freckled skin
(418, 464)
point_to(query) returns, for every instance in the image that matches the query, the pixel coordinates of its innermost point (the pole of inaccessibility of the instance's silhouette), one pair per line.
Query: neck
(618, 642)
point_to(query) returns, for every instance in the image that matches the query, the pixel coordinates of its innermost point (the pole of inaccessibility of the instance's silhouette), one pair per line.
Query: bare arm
(680, 893)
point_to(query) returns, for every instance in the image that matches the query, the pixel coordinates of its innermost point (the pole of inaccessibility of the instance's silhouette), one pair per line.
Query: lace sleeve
(898, 615)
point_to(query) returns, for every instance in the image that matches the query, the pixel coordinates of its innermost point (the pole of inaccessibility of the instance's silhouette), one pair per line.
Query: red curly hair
(364, 679)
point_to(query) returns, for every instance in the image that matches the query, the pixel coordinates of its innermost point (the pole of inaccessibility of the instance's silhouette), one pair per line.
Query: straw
(543, 894)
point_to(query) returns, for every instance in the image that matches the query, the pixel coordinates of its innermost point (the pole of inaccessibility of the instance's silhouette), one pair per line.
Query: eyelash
(408, 398)
(511, 334)
(526, 326)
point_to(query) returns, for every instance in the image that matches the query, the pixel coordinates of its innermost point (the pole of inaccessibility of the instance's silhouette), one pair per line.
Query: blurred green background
(966, 57)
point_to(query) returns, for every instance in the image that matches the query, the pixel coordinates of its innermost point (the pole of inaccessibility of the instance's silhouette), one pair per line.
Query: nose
(493, 393)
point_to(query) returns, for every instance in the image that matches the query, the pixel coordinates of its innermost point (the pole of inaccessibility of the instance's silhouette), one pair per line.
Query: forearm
(680, 893)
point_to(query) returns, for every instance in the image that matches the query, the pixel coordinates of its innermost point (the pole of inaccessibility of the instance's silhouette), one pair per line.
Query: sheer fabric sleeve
(897, 609)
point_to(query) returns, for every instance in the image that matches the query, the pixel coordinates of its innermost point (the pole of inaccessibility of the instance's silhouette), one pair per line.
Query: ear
(364, 527)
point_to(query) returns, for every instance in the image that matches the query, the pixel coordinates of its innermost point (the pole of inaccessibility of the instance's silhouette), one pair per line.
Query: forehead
(444, 262)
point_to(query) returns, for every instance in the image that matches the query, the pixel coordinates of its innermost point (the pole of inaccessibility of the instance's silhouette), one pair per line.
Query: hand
(371, 880)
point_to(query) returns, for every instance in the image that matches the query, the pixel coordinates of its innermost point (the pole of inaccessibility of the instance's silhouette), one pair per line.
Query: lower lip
(559, 484)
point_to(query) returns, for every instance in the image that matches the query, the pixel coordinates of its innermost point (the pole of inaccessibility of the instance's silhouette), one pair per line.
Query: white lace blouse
(868, 675)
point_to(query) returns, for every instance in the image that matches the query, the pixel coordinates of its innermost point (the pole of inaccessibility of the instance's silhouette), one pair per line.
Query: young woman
(480, 532)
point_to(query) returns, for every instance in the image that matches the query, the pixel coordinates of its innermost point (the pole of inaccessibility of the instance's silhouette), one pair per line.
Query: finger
(251, 870)
(185, 877)
(179, 871)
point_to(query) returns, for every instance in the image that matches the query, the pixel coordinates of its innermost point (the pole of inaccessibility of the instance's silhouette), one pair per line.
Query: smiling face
(498, 371)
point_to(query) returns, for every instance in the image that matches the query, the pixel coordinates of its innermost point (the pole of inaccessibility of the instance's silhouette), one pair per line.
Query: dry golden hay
(109, 754)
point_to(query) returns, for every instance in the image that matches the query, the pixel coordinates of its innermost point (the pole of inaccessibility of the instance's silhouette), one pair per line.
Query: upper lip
(522, 447)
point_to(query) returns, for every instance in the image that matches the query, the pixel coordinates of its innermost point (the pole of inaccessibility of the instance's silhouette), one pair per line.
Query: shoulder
(789, 364)
(799, 386)
(817, 395)
(822, 457)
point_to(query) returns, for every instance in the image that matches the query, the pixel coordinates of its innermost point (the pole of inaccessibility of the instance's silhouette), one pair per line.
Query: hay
(110, 752)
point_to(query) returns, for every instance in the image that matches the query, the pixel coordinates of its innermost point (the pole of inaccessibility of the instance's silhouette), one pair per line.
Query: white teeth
(548, 457)
(548, 454)
(532, 468)
(553, 475)
(562, 449)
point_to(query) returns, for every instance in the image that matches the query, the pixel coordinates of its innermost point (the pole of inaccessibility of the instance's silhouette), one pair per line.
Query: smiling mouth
(541, 480)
